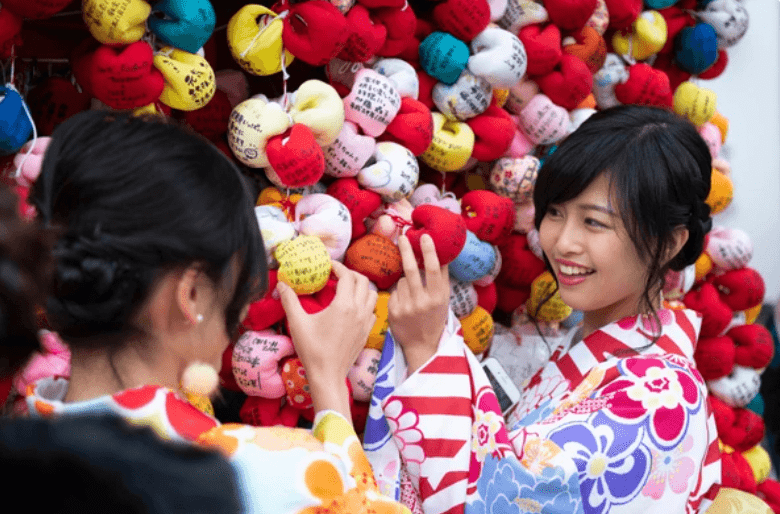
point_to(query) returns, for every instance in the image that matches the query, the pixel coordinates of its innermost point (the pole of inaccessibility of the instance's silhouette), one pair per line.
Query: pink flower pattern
(674, 467)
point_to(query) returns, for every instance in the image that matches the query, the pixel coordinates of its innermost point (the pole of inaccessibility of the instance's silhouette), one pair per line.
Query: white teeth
(574, 270)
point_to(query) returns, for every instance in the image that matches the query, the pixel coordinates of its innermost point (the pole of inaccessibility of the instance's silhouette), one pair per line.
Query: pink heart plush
(544, 122)
(323, 216)
(391, 220)
(729, 248)
(520, 145)
(363, 374)
(711, 135)
(430, 194)
(373, 102)
(349, 153)
(256, 357)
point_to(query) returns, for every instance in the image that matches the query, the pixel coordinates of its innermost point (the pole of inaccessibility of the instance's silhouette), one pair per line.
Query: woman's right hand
(328, 342)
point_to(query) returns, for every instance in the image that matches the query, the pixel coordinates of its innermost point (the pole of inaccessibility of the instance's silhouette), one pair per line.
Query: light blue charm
(444, 57)
(475, 260)
(187, 24)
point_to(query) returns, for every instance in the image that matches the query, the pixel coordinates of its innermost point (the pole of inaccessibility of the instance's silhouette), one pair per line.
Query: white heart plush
(499, 57)
(467, 97)
(349, 152)
(274, 227)
(395, 173)
(401, 74)
(604, 81)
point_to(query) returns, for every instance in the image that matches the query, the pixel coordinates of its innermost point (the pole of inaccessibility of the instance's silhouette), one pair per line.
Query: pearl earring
(199, 318)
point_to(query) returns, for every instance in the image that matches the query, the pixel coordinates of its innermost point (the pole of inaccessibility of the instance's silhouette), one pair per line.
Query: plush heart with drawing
(431, 194)
(448, 231)
(365, 37)
(489, 216)
(464, 19)
(295, 158)
(740, 289)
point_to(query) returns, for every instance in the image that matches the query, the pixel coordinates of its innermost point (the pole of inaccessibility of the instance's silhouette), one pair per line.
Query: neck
(595, 320)
(96, 373)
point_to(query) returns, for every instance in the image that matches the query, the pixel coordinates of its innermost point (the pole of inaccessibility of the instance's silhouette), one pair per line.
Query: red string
(399, 221)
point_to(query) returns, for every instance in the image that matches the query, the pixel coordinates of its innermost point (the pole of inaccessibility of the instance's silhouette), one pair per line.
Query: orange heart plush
(447, 229)
(295, 157)
(377, 258)
(645, 86)
(569, 84)
(590, 47)
(542, 46)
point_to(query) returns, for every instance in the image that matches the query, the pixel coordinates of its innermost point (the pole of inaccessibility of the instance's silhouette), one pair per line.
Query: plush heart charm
(645, 86)
(717, 69)
(475, 261)
(254, 36)
(400, 23)
(487, 295)
(373, 102)
(447, 229)
(520, 266)
(741, 429)
(515, 178)
(646, 37)
(467, 97)
(696, 48)
(376, 338)
(463, 298)
(252, 123)
(520, 94)
(362, 375)
(716, 315)
(114, 24)
(315, 32)
(568, 84)
(430, 194)
(391, 219)
(349, 153)
(274, 227)
(186, 24)
(754, 345)
(35, 9)
(543, 121)
(711, 135)
(464, 19)
(578, 117)
(715, 357)
(401, 74)
(545, 303)
(520, 145)
(189, 79)
(266, 412)
(256, 357)
(266, 311)
(377, 258)
(729, 18)
(412, 127)
(499, 57)
(295, 158)
(570, 14)
(304, 264)
(478, 330)
(29, 160)
(729, 248)
(394, 173)
(622, 13)
(520, 13)
(365, 37)
(323, 216)
(740, 289)
(452, 144)
(493, 131)
(738, 388)
(10, 29)
(489, 216)
(443, 57)
(296, 385)
(588, 46)
(318, 106)
(599, 19)
(359, 202)
(212, 119)
(605, 80)
(341, 74)
(543, 47)
(695, 103)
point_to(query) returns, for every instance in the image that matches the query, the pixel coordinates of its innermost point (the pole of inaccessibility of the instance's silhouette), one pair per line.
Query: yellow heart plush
(453, 142)
(721, 192)
(703, 266)
(189, 79)
(318, 106)
(646, 37)
(254, 36)
(304, 264)
(116, 22)
(252, 123)
(272, 196)
(478, 330)
(758, 458)
(722, 123)
(695, 103)
(376, 339)
(543, 305)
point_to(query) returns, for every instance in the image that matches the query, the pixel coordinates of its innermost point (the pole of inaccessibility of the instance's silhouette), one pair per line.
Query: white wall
(749, 96)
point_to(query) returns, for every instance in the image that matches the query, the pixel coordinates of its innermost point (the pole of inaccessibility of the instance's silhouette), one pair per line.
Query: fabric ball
(754, 345)
(304, 264)
(543, 48)
(489, 216)
(185, 24)
(740, 289)
(114, 26)
(570, 14)
(478, 330)
(377, 258)
(362, 375)
(296, 384)
(464, 19)
(499, 57)
(295, 158)
(492, 274)
(568, 84)
(545, 303)
(607, 78)
(515, 178)
(493, 131)
(373, 102)
(365, 37)
(728, 18)
(589, 47)
(696, 48)
(716, 315)
(401, 74)
(376, 338)
(463, 298)
(715, 357)
(394, 173)
(252, 123)
(721, 192)
(255, 362)
(722, 123)
(430, 194)
(257, 47)
(645, 86)
(487, 296)
(412, 127)
(452, 144)
(268, 412)
(729, 248)
(35, 9)
(759, 461)
(315, 32)
(520, 266)
(544, 122)
(323, 216)
(646, 37)
(211, 120)
(53, 101)
(717, 69)
(360, 202)
(769, 492)
(711, 136)
(599, 20)
(695, 103)
(443, 57)
(475, 260)
(318, 106)
(448, 231)
(349, 152)
(15, 125)
(520, 13)
(739, 428)
(622, 13)
(736, 474)
(738, 388)
(266, 311)
(400, 23)
(467, 97)
(520, 94)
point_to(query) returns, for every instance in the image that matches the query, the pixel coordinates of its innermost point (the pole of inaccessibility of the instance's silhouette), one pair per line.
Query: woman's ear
(188, 295)
(679, 237)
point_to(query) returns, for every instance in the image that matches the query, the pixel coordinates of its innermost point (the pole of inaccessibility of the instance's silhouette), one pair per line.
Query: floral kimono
(616, 423)
(278, 470)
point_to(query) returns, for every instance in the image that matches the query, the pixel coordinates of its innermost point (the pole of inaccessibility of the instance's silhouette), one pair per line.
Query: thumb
(290, 303)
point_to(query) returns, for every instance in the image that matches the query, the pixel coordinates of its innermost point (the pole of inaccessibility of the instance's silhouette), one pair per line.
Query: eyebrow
(595, 207)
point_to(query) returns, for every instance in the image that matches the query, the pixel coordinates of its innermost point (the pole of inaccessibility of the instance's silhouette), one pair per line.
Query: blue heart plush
(696, 48)
(187, 24)
(444, 57)
(660, 4)
(475, 260)
(15, 126)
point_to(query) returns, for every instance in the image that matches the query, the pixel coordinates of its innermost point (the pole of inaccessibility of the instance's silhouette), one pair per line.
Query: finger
(345, 288)
(411, 270)
(433, 270)
(290, 303)
(361, 291)
(399, 298)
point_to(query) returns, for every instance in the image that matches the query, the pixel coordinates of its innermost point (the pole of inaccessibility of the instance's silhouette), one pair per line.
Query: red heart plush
(543, 47)
(376, 257)
(645, 86)
(510, 298)
(716, 315)
(53, 101)
(266, 311)
(412, 127)
(426, 89)
(740, 289)
(491, 217)
(296, 157)
(739, 428)
(360, 202)
(212, 119)
(736, 473)
(35, 9)
(411, 53)
(464, 19)
(10, 27)
(569, 84)
(676, 75)
(519, 265)
(570, 14)
(359, 411)
(315, 32)
(487, 296)
(622, 13)
(268, 412)
(319, 301)
(493, 133)
(447, 229)
(400, 23)
(714, 357)
(123, 77)
(590, 47)
(716, 69)
(676, 19)
(754, 345)
(366, 37)
(769, 491)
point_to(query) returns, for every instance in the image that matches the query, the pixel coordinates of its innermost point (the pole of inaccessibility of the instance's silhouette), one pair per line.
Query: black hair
(659, 168)
(134, 198)
(102, 464)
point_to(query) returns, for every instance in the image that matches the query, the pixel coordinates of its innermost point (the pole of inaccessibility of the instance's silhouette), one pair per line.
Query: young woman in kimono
(617, 421)
(158, 254)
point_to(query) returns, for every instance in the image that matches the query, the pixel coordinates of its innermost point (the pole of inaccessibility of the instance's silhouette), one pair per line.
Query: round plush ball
(545, 303)
(377, 258)
(304, 264)
(463, 298)
(721, 192)
(444, 57)
(475, 260)
(695, 103)
(295, 383)
(376, 338)
(478, 330)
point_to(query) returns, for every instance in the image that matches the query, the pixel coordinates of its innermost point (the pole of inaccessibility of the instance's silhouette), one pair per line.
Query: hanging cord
(11, 86)
(630, 56)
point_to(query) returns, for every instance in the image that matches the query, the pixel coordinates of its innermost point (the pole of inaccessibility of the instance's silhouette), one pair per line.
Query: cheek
(546, 236)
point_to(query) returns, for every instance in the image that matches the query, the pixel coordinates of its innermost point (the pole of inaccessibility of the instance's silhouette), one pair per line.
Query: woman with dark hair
(157, 257)
(617, 421)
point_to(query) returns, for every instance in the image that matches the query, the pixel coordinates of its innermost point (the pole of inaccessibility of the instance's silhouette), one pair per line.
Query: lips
(571, 273)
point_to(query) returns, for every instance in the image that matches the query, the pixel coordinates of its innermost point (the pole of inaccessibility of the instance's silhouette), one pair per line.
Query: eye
(591, 222)
(553, 212)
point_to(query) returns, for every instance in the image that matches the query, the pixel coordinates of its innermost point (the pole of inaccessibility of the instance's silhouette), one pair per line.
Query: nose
(569, 238)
